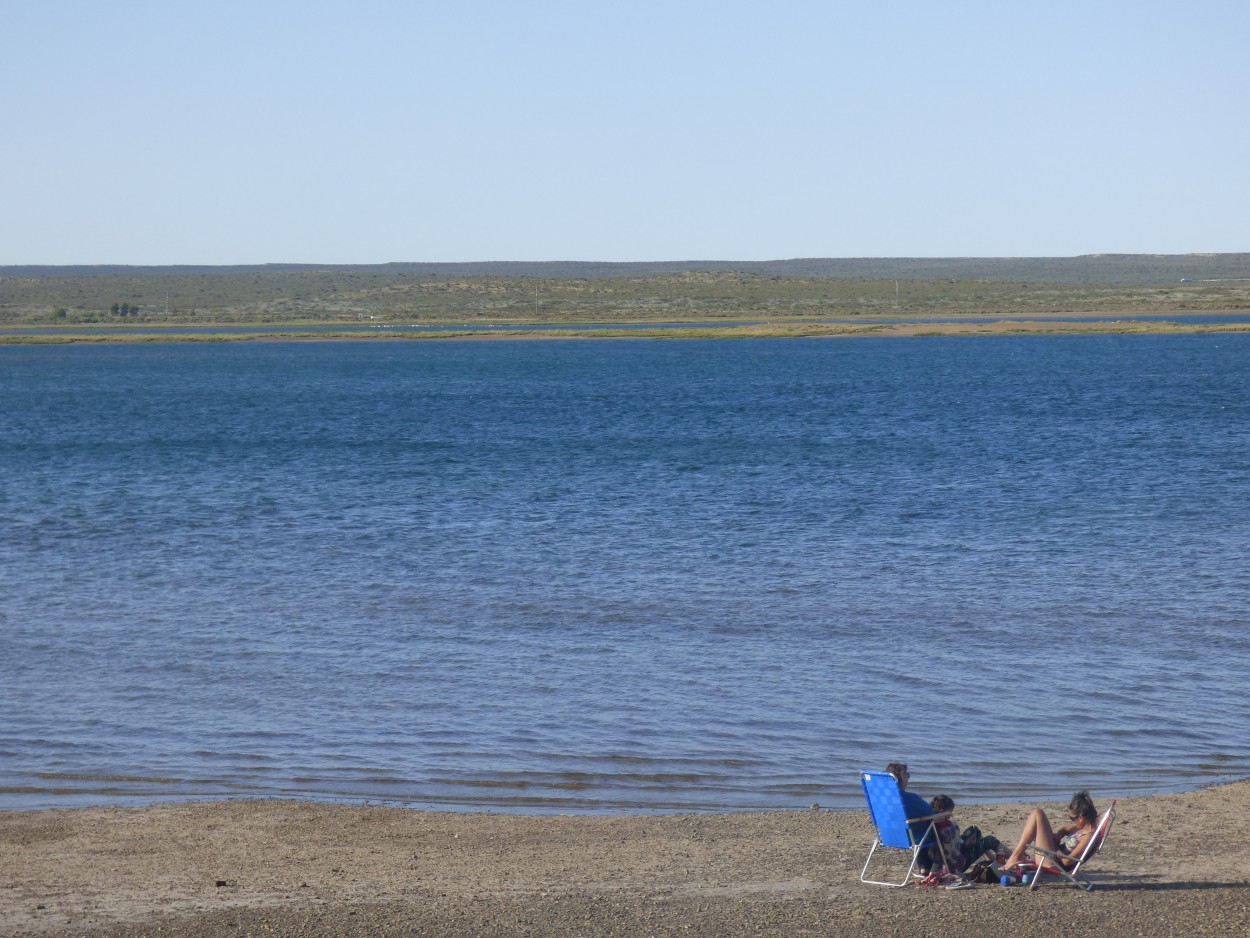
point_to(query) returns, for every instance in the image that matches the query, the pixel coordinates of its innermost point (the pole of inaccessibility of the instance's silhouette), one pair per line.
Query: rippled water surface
(623, 575)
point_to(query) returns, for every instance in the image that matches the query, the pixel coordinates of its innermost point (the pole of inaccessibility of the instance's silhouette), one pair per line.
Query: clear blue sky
(373, 131)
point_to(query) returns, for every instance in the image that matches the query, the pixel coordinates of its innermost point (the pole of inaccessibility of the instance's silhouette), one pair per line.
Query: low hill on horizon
(1085, 268)
(587, 291)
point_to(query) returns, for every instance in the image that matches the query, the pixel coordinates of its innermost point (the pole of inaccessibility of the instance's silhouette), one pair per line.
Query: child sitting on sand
(948, 837)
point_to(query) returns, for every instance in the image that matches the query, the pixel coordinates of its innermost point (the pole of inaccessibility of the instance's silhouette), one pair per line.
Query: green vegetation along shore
(479, 295)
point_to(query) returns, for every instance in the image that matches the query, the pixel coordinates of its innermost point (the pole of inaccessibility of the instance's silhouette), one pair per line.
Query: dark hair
(1083, 806)
(897, 769)
(942, 803)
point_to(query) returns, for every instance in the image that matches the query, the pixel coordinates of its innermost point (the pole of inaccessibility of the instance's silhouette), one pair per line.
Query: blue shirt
(915, 806)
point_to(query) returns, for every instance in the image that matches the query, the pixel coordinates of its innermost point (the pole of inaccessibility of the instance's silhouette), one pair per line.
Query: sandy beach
(1175, 864)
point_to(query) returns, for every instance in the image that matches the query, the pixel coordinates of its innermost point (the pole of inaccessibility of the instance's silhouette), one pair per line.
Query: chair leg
(1071, 876)
(915, 856)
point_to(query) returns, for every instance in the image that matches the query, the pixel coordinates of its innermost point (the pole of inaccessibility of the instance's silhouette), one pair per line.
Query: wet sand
(1174, 864)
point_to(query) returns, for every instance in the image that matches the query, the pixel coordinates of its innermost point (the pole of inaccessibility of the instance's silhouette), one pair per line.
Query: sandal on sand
(960, 884)
(944, 880)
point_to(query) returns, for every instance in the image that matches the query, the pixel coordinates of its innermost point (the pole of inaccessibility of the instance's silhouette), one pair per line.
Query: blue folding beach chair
(885, 806)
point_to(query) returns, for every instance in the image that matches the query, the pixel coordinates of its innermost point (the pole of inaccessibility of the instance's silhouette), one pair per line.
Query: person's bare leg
(1026, 838)
(1046, 839)
(1033, 831)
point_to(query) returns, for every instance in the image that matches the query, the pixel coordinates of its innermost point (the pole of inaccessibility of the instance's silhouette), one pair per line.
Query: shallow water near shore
(623, 576)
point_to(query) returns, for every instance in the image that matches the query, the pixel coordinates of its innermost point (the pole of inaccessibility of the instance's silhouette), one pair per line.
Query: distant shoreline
(52, 335)
(477, 295)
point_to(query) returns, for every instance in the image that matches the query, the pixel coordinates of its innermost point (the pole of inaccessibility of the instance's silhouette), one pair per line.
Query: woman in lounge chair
(1068, 842)
(916, 807)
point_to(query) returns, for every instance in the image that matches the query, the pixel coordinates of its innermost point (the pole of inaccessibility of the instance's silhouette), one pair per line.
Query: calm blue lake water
(623, 575)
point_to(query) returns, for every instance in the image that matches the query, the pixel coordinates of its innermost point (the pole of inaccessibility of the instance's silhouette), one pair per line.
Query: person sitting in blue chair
(916, 807)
